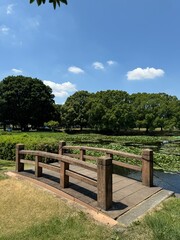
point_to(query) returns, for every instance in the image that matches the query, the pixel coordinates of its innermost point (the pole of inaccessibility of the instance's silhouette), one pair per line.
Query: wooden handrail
(146, 159)
(126, 165)
(104, 150)
(62, 158)
(108, 152)
(75, 156)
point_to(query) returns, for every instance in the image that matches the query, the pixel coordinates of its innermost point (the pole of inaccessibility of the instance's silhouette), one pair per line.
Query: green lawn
(5, 166)
(30, 213)
(27, 212)
(162, 224)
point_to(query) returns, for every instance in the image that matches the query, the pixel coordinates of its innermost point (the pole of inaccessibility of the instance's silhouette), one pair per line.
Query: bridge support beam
(104, 182)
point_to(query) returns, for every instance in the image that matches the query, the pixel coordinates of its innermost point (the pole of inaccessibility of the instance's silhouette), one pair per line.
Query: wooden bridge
(91, 179)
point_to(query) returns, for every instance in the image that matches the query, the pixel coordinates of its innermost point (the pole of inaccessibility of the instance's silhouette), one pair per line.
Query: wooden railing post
(19, 165)
(104, 182)
(82, 153)
(147, 167)
(61, 145)
(64, 179)
(38, 169)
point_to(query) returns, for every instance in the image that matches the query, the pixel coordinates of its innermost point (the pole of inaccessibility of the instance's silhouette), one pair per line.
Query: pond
(162, 146)
(167, 180)
(165, 146)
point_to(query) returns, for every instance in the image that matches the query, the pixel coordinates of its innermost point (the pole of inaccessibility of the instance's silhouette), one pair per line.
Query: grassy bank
(166, 148)
(42, 216)
(28, 212)
(163, 224)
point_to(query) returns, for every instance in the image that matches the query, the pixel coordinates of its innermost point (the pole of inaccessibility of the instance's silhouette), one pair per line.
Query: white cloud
(98, 66)
(9, 9)
(16, 71)
(111, 62)
(61, 90)
(4, 29)
(75, 70)
(146, 73)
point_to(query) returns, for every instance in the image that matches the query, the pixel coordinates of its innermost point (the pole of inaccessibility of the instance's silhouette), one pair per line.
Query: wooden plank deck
(127, 193)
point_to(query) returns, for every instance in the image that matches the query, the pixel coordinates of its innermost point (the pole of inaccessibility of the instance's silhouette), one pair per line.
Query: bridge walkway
(127, 192)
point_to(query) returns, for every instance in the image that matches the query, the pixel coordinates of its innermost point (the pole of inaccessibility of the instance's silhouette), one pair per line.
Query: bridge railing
(103, 167)
(146, 159)
(103, 182)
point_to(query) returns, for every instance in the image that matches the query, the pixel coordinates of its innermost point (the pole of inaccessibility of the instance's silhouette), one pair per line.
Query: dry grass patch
(22, 205)
(31, 213)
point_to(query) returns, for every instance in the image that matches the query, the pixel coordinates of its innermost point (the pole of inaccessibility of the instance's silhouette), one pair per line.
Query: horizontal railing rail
(146, 159)
(103, 150)
(66, 159)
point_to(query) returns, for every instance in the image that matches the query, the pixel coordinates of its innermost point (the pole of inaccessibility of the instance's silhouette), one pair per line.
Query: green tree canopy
(25, 100)
(113, 111)
(153, 110)
(54, 2)
(110, 110)
(75, 110)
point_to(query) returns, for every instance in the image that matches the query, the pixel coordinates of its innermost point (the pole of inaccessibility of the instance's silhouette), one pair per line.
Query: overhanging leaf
(54, 2)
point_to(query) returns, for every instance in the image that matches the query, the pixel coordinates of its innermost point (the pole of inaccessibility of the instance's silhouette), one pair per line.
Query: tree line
(27, 102)
(114, 111)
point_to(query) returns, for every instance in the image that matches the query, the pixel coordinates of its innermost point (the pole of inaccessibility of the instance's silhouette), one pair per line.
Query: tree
(96, 115)
(155, 110)
(75, 110)
(52, 125)
(146, 110)
(110, 111)
(57, 113)
(25, 100)
(54, 2)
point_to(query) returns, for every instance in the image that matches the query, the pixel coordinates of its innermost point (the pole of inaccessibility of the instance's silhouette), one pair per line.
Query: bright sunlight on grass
(31, 213)
(165, 224)
(162, 224)
(27, 212)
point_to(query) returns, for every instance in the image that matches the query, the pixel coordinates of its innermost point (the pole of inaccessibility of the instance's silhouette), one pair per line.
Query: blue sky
(129, 45)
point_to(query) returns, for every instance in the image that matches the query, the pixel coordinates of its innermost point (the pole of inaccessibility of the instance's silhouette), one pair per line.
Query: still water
(167, 180)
